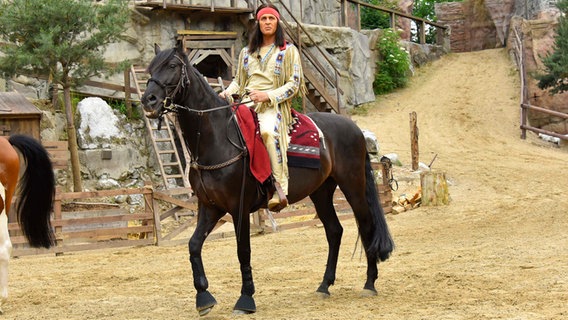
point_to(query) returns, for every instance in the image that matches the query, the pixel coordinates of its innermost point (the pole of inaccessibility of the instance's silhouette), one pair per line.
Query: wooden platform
(184, 7)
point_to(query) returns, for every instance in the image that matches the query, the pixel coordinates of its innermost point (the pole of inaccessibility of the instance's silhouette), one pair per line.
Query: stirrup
(278, 200)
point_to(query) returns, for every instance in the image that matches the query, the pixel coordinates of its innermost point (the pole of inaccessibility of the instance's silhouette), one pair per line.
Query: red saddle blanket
(303, 150)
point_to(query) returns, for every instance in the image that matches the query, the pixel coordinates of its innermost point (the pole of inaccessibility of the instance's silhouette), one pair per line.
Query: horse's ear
(157, 48)
(179, 47)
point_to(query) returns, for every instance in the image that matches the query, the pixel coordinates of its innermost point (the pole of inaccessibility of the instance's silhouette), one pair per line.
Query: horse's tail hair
(36, 192)
(382, 243)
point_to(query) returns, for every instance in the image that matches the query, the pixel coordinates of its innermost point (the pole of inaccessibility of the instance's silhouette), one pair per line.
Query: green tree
(372, 18)
(426, 9)
(63, 40)
(555, 77)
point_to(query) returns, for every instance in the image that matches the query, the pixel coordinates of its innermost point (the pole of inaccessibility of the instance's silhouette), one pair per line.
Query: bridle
(168, 106)
(183, 82)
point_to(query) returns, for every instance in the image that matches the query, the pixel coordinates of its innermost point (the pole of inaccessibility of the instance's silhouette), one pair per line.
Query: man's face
(268, 24)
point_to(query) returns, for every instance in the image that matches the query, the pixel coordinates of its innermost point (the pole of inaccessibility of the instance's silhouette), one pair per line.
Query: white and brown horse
(35, 198)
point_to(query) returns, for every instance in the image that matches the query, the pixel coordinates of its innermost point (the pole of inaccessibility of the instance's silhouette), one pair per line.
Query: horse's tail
(382, 243)
(36, 192)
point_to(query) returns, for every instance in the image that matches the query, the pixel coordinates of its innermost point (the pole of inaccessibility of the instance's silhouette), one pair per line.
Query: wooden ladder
(174, 172)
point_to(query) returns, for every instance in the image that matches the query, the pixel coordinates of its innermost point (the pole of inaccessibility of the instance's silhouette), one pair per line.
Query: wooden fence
(422, 24)
(525, 103)
(87, 220)
(82, 221)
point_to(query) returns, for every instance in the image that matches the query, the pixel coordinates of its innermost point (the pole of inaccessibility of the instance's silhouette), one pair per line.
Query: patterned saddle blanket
(303, 150)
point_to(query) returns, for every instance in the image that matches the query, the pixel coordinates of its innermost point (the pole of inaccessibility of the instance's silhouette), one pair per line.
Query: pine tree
(555, 77)
(62, 40)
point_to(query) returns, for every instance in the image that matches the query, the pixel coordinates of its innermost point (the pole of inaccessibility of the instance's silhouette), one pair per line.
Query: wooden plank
(212, 44)
(13, 226)
(100, 193)
(118, 232)
(26, 251)
(179, 229)
(182, 203)
(227, 34)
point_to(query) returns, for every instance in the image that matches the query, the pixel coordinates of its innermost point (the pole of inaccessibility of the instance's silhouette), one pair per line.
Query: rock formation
(484, 24)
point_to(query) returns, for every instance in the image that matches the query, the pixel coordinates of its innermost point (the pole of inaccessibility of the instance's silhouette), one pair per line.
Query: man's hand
(258, 96)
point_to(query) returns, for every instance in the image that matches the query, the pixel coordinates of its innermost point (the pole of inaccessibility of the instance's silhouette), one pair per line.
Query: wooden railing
(251, 4)
(421, 23)
(525, 104)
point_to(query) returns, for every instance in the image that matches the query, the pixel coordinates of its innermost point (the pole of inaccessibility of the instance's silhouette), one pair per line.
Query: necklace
(264, 58)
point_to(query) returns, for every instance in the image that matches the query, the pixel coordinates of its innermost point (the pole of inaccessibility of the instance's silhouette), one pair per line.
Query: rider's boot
(278, 200)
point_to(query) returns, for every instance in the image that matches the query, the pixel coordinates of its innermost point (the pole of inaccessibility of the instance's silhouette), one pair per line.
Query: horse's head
(168, 76)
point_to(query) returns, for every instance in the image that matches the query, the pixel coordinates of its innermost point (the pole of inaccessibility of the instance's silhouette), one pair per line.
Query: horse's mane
(209, 91)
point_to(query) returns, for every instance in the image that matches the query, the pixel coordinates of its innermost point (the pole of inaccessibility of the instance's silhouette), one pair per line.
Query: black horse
(221, 179)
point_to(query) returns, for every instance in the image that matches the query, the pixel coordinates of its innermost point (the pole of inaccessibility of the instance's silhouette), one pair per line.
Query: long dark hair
(255, 40)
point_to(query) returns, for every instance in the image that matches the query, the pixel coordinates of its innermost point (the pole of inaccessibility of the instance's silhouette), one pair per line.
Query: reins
(169, 106)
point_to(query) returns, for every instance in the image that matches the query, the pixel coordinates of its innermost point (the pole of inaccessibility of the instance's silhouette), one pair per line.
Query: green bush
(393, 64)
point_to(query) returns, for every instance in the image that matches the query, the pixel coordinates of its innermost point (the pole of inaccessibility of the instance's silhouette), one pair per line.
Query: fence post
(343, 14)
(57, 217)
(422, 32)
(150, 208)
(414, 140)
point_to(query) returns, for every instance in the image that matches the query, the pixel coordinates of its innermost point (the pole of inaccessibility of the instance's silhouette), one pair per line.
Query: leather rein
(170, 107)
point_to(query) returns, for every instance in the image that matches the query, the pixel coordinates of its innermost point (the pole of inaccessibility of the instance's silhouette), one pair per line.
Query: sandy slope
(498, 251)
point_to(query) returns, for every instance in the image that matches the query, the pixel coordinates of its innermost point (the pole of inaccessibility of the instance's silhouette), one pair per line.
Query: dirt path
(498, 251)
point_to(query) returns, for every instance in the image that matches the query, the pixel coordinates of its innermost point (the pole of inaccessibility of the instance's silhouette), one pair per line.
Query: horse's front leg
(245, 304)
(5, 249)
(206, 220)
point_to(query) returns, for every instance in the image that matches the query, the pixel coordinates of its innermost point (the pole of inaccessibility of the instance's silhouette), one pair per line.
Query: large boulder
(111, 148)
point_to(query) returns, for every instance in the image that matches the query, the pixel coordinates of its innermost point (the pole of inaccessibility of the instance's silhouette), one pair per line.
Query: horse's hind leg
(323, 201)
(207, 218)
(355, 195)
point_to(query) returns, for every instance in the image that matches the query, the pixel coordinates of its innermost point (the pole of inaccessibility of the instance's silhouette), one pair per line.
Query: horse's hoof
(205, 311)
(245, 305)
(323, 291)
(241, 312)
(204, 302)
(323, 295)
(369, 293)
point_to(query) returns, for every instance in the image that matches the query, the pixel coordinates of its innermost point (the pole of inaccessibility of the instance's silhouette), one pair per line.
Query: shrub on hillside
(393, 64)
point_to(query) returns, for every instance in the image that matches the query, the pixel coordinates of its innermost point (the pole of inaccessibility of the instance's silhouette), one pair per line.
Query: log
(434, 188)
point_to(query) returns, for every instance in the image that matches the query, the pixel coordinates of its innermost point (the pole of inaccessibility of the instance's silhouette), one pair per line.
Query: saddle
(303, 150)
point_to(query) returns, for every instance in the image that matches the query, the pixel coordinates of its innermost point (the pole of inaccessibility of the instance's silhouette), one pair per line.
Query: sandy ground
(498, 251)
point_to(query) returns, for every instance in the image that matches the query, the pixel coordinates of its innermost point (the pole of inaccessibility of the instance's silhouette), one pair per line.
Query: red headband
(267, 10)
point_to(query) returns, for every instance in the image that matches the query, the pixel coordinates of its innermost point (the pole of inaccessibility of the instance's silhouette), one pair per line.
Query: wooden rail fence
(86, 220)
(525, 104)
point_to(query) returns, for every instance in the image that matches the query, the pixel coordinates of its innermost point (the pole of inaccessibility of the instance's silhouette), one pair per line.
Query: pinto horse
(35, 200)
(221, 179)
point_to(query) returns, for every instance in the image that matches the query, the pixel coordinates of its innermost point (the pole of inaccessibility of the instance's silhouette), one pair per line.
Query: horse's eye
(173, 65)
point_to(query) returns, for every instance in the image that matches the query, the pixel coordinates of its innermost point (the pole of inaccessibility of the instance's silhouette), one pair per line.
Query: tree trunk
(72, 141)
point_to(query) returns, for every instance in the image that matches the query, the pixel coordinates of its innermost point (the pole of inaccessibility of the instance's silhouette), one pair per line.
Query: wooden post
(414, 140)
(422, 32)
(434, 188)
(127, 97)
(150, 208)
(57, 217)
